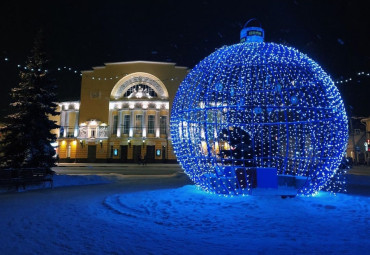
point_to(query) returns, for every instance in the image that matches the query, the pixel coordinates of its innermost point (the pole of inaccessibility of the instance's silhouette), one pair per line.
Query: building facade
(122, 116)
(359, 140)
(364, 158)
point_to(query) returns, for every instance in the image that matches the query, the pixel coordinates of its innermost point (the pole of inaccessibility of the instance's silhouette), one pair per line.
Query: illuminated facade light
(113, 118)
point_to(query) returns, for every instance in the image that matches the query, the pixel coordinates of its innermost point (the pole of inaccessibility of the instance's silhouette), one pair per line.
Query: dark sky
(83, 34)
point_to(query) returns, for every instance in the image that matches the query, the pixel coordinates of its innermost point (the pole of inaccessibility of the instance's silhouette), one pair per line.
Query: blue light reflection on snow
(206, 222)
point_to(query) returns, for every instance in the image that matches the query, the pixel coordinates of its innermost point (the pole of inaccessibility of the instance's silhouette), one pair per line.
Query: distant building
(366, 143)
(359, 140)
(122, 116)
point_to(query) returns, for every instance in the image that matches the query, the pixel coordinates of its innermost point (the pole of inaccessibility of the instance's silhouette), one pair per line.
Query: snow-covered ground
(168, 215)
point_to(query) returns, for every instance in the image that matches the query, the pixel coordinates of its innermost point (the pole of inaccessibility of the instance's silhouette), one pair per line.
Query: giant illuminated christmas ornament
(259, 118)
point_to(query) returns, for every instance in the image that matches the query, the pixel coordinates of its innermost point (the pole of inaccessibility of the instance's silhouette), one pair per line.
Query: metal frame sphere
(258, 105)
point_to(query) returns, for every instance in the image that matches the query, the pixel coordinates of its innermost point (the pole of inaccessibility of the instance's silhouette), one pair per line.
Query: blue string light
(257, 105)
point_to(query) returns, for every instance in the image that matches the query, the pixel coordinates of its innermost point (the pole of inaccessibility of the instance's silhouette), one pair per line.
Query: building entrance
(150, 153)
(124, 153)
(91, 153)
(137, 153)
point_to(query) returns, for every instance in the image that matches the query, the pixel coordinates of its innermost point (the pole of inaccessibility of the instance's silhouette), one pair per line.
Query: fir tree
(27, 130)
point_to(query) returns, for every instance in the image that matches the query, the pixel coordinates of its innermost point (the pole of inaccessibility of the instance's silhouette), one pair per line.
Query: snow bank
(72, 180)
(63, 181)
(201, 223)
(157, 215)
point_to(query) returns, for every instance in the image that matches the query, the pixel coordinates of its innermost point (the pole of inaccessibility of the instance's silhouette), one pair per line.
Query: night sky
(83, 34)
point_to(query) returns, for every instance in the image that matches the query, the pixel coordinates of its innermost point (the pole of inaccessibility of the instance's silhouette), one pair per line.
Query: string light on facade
(58, 69)
(342, 81)
(257, 106)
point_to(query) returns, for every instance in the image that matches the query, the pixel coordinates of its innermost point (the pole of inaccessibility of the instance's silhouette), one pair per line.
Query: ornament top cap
(252, 33)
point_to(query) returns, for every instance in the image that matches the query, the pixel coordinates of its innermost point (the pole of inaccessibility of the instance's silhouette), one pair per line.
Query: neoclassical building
(123, 114)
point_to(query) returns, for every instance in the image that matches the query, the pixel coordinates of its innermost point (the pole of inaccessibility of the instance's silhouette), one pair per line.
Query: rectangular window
(138, 124)
(151, 121)
(163, 125)
(126, 124)
(115, 124)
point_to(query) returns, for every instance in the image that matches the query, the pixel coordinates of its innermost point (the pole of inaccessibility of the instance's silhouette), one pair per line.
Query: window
(126, 124)
(95, 94)
(151, 121)
(357, 131)
(140, 90)
(138, 124)
(163, 125)
(115, 124)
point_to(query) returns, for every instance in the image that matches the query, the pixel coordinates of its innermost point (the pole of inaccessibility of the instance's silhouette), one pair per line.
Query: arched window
(140, 91)
(139, 85)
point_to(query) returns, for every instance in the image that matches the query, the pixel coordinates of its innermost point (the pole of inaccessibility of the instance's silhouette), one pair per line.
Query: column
(144, 123)
(131, 133)
(157, 131)
(119, 124)
(62, 123)
(75, 133)
(66, 127)
(110, 122)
